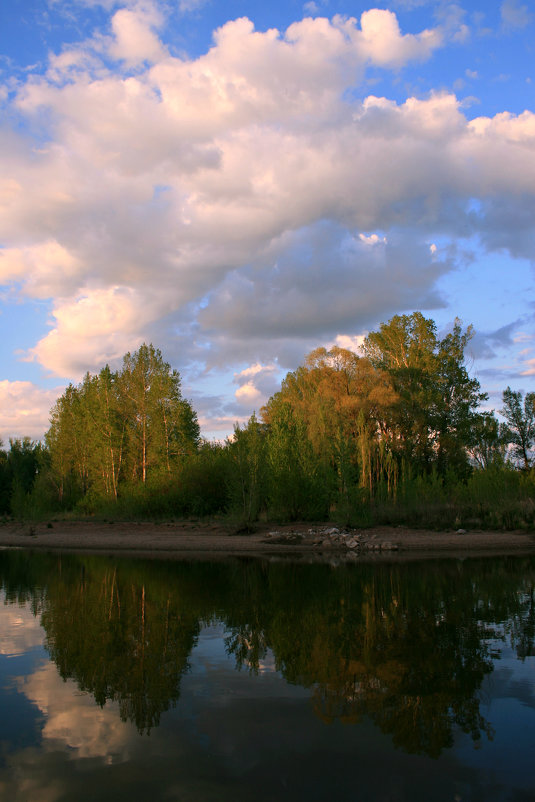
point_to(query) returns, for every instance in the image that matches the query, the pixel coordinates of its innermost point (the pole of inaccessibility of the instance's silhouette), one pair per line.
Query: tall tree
(69, 443)
(343, 401)
(162, 426)
(247, 474)
(108, 426)
(405, 349)
(488, 442)
(458, 397)
(119, 426)
(434, 416)
(519, 429)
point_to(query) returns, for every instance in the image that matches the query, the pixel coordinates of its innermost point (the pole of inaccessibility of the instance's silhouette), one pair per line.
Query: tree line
(393, 434)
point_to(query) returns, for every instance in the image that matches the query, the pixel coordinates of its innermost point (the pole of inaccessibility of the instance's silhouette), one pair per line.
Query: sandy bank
(177, 540)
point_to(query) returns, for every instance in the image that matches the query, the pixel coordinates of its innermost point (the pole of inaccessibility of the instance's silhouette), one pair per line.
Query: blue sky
(240, 182)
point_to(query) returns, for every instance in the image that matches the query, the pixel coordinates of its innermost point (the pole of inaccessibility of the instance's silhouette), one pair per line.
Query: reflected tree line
(404, 645)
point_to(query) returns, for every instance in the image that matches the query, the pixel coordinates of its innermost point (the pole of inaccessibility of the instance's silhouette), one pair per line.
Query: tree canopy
(121, 426)
(354, 435)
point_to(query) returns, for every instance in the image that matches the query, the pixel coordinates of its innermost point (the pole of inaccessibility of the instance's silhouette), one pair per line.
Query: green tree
(247, 479)
(458, 397)
(343, 401)
(297, 483)
(432, 422)
(118, 427)
(69, 443)
(104, 405)
(488, 443)
(162, 426)
(22, 466)
(405, 349)
(519, 429)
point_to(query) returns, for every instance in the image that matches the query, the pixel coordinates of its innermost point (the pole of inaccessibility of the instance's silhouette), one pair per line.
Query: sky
(241, 182)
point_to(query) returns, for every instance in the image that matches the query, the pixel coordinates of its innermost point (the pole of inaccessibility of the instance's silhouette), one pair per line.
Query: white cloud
(232, 202)
(256, 383)
(384, 44)
(135, 40)
(97, 327)
(371, 239)
(248, 394)
(25, 409)
(311, 8)
(353, 343)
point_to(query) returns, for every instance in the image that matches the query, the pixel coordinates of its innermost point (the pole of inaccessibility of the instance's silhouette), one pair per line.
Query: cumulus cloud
(247, 201)
(384, 45)
(25, 409)
(350, 343)
(256, 384)
(95, 328)
(134, 38)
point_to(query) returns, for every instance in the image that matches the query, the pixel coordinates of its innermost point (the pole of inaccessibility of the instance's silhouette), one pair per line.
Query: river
(268, 680)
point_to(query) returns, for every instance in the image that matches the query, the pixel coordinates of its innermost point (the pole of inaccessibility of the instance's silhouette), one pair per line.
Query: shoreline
(302, 541)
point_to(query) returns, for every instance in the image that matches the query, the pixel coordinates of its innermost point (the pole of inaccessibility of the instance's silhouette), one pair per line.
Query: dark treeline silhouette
(393, 436)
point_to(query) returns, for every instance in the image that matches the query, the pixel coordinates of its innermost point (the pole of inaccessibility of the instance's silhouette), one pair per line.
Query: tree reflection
(406, 646)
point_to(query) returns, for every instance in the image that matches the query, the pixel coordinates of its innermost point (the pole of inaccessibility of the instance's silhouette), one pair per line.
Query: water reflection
(407, 646)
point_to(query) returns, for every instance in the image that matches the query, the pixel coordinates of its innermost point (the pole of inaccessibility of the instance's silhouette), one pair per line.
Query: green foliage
(297, 486)
(431, 425)
(120, 428)
(393, 436)
(489, 441)
(519, 429)
(19, 469)
(247, 472)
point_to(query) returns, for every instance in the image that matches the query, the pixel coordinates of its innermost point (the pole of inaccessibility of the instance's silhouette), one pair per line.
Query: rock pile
(332, 538)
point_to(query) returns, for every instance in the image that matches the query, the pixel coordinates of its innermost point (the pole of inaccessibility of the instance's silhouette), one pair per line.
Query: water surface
(247, 679)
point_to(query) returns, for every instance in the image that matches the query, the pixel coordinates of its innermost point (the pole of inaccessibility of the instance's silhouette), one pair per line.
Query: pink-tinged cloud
(25, 409)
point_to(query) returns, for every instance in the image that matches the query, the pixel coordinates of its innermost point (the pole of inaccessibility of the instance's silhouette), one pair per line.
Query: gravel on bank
(207, 540)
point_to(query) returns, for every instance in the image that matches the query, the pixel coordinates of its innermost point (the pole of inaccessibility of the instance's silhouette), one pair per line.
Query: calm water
(250, 680)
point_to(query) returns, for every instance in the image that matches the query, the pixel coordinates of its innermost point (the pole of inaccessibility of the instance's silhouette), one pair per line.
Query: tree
(69, 443)
(297, 486)
(433, 419)
(120, 426)
(457, 398)
(519, 429)
(488, 443)
(343, 402)
(108, 427)
(405, 348)
(247, 475)
(21, 469)
(162, 426)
